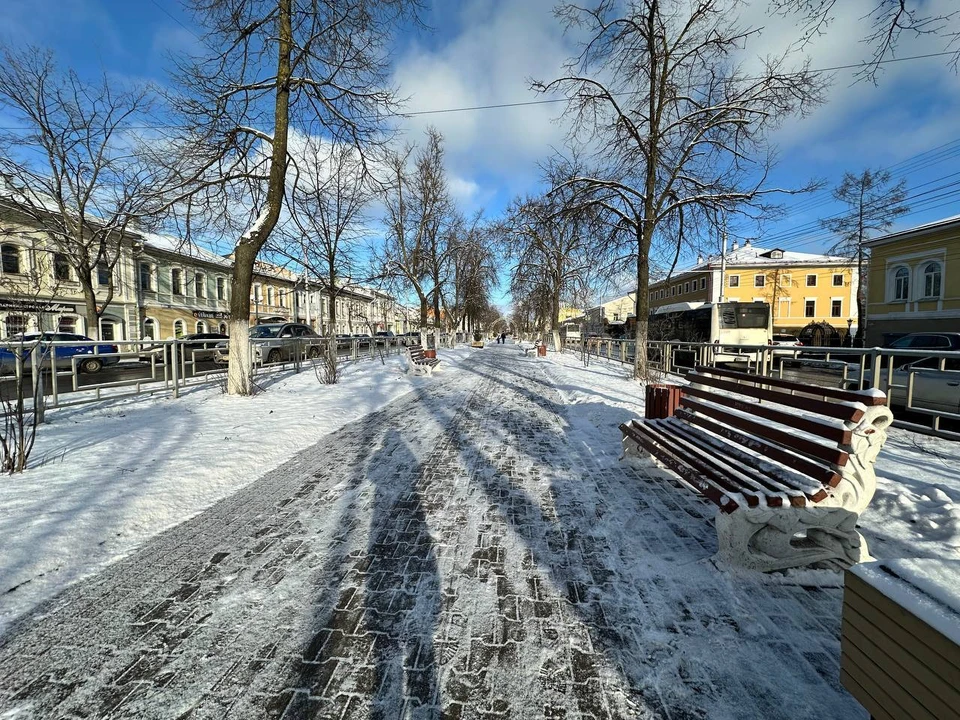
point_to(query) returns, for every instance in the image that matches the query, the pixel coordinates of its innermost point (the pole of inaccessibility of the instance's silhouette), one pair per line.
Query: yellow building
(801, 288)
(910, 286)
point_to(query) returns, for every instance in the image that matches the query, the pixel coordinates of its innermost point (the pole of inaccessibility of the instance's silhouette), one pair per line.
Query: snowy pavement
(472, 550)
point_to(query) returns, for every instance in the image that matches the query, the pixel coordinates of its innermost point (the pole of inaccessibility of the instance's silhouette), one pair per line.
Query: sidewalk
(461, 553)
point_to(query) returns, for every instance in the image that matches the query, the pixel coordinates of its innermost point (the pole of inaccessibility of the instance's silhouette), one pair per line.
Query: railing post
(53, 374)
(37, 384)
(175, 369)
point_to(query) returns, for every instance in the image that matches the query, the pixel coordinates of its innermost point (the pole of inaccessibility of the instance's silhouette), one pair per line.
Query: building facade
(912, 285)
(801, 288)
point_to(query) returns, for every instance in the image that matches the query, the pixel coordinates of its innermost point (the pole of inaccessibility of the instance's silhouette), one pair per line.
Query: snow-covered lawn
(106, 477)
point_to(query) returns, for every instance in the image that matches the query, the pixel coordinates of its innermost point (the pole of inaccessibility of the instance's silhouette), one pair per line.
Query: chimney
(746, 243)
(736, 246)
(699, 259)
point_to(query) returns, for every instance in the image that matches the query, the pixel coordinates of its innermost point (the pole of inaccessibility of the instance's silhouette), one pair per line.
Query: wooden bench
(419, 362)
(789, 465)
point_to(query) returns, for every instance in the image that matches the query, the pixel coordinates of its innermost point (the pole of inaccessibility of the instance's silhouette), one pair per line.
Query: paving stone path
(458, 554)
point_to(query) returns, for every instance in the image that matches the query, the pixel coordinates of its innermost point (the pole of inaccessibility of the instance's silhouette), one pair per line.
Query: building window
(759, 280)
(270, 296)
(16, 325)
(734, 281)
(179, 329)
(686, 287)
(283, 298)
(257, 293)
(10, 255)
(810, 308)
(811, 280)
(176, 281)
(146, 283)
(201, 328)
(149, 329)
(61, 267)
(703, 283)
(931, 280)
(223, 328)
(838, 280)
(784, 280)
(107, 330)
(200, 285)
(67, 324)
(103, 274)
(836, 308)
(221, 288)
(901, 284)
(673, 290)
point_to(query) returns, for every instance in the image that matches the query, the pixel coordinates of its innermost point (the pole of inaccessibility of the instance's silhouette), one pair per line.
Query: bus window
(753, 317)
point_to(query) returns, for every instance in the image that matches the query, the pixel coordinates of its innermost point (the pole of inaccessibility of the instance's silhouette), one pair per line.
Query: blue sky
(483, 52)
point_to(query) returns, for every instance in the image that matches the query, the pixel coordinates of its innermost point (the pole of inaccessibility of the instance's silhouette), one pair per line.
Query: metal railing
(72, 373)
(926, 392)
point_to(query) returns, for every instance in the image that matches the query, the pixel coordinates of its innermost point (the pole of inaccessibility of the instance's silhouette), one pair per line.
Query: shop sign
(34, 306)
(211, 315)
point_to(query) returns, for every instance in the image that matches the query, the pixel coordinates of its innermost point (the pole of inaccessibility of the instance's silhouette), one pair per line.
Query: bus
(725, 324)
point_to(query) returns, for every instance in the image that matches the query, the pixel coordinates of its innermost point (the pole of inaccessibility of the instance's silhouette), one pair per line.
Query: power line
(545, 101)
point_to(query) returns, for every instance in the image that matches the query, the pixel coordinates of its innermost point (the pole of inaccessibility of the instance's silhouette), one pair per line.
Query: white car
(933, 389)
(275, 342)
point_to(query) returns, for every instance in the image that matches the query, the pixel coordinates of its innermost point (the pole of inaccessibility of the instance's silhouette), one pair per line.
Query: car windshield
(265, 331)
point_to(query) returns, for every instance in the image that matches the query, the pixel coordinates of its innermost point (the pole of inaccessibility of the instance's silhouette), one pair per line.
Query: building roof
(952, 222)
(750, 254)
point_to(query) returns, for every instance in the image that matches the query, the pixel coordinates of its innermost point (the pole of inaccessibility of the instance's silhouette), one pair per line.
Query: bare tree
(873, 203)
(884, 25)
(472, 273)
(679, 129)
(72, 168)
(275, 66)
(418, 209)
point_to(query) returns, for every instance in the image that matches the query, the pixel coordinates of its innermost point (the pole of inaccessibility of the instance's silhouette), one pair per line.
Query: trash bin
(541, 350)
(661, 400)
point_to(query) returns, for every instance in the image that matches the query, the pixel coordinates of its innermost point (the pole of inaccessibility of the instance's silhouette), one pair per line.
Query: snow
(928, 589)
(110, 476)
(104, 478)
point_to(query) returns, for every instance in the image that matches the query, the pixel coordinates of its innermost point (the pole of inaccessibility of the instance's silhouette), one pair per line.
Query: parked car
(199, 346)
(273, 342)
(80, 345)
(933, 388)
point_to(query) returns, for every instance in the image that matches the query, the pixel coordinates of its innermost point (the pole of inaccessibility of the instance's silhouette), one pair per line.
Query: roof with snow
(750, 254)
(952, 222)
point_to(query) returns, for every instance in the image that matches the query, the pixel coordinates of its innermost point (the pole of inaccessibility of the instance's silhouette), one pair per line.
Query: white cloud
(498, 48)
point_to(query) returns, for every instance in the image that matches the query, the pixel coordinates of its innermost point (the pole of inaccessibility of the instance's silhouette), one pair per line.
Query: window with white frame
(10, 255)
(221, 288)
(783, 307)
(176, 281)
(901, 283)
(223, 328)
(179, 329)
(810, 308)
(61, 267)
(15, 324)
(67, 324)
(257, 293)
(149, 329)
(146, 277)
(784, 280)
(838, 280)
(811, 280)
(270, 295)
(201, 327)
(931, 280)
(283, 298)
(733, 281)
(836, 308)
(759, 280)
(703, 283)
(200, 285)
(686, 287)
(103, 274)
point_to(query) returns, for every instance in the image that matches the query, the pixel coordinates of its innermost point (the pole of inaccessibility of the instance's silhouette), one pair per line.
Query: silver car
(276, 342)
(933, 389)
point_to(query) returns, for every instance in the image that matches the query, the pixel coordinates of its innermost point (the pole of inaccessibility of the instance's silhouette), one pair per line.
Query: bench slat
(768, 478)
(830, 432)
(740, 480)
(691, 477)
(820, 407)
(834, 393)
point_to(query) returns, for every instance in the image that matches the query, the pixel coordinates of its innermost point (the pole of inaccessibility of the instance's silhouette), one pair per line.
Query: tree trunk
(240, 372)
(861, 297)
(90, 309)
(642, 304)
